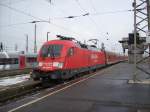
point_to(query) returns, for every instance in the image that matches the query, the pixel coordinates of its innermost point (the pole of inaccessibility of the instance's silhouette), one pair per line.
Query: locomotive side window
(51, 50)
(70, 52)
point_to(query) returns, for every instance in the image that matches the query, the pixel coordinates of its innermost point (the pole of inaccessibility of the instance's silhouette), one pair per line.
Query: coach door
(22, 63)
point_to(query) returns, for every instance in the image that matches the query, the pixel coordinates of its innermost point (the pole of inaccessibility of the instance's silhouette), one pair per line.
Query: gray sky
(14, 24)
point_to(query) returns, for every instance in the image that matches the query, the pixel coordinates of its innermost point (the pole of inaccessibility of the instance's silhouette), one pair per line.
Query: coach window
(70, 52)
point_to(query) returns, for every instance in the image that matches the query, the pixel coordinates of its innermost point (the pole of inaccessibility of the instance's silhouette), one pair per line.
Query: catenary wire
(32, 16)
(90, 18)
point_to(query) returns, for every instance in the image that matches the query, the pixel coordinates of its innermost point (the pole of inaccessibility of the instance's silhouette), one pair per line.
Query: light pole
(47, 36)
(135, 46)
(27, 43)
(35, 27)
(35, 46)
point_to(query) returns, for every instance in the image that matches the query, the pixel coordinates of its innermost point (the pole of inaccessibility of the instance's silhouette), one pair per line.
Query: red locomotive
(65, 58)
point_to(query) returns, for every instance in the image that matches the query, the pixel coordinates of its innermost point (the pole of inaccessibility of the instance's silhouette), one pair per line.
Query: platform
(11, 91)
(7, 73)
(107, 91)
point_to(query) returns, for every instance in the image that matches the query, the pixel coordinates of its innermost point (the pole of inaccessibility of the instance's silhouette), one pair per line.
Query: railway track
(32, 87)
(6, 73)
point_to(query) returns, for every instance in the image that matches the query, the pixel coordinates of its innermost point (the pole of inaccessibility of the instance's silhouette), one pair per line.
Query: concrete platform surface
(107, 91)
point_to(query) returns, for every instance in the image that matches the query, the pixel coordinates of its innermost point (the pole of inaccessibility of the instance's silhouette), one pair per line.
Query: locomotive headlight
(40, 64)
(58, 64)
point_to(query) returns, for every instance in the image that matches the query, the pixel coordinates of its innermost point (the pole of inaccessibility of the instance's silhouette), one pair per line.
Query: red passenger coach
(65, 58)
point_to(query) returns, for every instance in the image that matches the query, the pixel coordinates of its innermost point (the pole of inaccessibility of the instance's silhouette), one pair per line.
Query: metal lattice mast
(148, 14)
(141, 26)
(141, 16)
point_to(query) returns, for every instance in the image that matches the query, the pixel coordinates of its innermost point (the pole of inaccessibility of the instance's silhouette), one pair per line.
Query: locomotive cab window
(51, 50)
(71, 52)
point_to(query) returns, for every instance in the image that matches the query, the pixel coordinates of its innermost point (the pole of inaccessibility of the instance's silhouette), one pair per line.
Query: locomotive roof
(72, 44)
(63, 42)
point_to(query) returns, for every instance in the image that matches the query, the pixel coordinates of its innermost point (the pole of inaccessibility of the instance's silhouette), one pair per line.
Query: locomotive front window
(51, 50)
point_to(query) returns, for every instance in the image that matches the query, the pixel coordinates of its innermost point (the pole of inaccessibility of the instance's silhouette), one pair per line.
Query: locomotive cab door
(71, 60)
(69, 63)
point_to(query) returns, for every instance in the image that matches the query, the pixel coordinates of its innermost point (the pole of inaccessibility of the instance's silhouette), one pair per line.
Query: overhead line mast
(141, 26)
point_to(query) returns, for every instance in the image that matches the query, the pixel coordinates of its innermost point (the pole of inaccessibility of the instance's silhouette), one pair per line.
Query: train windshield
(51, 50)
